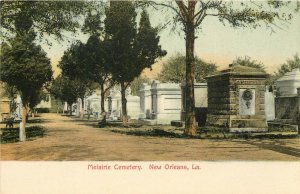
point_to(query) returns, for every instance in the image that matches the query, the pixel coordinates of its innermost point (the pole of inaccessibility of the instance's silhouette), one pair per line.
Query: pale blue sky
(220, 44)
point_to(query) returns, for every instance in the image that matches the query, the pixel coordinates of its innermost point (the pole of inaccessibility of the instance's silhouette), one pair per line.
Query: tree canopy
(45, 17)
(25, 66)
(289, 65)
(174, 69)
(137, 83)
(130, 49)
(248, 62)
(64, 89)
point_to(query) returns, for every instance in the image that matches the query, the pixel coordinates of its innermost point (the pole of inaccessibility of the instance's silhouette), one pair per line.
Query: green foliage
(46, 17)
(10, 91)
(288, 66)
(64, 89)
(36, 98)
(74, 65)
(130, 50)
(248, 62)
(147, 43)
(25, 66)
(137, 83)
(174, 69)
(93, 24)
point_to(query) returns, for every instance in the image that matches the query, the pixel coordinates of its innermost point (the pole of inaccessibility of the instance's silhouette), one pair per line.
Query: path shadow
(31, 121)
(275, 146)
(155, 132)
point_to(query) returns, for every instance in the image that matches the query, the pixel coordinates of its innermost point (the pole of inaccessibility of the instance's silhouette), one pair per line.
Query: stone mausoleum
(236, 100)
(287, 101)
(165, 102)
(160, 103)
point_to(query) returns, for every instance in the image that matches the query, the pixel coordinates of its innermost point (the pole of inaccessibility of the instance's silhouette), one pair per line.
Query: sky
(215, 43)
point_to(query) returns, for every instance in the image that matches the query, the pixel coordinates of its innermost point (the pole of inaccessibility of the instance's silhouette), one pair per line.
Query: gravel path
(68, 139)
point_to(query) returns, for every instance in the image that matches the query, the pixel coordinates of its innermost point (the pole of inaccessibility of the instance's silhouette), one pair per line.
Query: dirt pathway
(72, 140)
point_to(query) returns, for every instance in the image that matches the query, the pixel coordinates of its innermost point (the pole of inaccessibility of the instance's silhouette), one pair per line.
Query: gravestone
(236, 100)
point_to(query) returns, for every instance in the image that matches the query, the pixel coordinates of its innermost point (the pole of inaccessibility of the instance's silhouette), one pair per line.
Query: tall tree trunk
(124, 105)
(69, 108)
(22, 132)
(103, 113)
(82, 108)
(102, 98)
(190, 121)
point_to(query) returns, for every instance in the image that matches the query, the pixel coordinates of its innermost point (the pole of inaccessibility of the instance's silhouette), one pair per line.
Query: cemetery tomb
(165, 102)
(133, 106)
(236, 100)
(115, 104)
(287, 101)
(145, 102)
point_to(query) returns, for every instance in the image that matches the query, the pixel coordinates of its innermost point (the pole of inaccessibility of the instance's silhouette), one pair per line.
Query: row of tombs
(235, 99)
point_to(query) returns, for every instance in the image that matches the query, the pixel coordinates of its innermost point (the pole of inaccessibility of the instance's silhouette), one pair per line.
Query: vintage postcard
(150, 96)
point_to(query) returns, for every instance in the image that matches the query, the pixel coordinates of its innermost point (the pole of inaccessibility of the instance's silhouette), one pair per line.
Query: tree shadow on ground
(155, 132)
(95, 124)
(275, 145)
(38, 121)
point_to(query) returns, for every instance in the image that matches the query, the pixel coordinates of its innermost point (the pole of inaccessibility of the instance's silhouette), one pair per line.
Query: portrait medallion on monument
(247, 101)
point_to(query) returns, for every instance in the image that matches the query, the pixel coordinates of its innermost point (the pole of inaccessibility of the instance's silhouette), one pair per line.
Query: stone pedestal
(236, 100)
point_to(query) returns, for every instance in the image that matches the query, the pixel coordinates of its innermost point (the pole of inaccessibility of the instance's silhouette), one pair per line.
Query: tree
(96, 49)
(96, 52)
(288, 66)
(174, 69)
(26, 67)
(191, 14)
(45, 17)
(248, 62)
(74, 65)
(65, 90)
(137, 83)
(130, 49)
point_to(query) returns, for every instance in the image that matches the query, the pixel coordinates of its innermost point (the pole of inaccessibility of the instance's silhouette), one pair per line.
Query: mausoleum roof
(291, 76)
(241, 71)
(288, 84)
